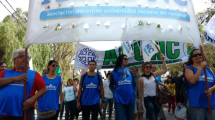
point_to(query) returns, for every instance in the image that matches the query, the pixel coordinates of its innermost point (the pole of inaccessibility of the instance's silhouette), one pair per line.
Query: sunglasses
(125, 59)
(148, 67)
(198, 54)
(54, 65)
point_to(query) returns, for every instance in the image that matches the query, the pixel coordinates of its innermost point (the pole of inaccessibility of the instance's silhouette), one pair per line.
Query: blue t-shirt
(12, 95)
(50, 101)
(196, 92)
(124, 92)
(91, 92)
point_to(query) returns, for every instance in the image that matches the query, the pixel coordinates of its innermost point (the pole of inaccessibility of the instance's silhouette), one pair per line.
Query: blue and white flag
(127, 49)
(210, 32)
(148, 50)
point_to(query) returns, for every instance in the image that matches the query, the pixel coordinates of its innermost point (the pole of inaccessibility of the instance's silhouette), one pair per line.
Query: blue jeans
(152, 109)
(198, 113)
(110, 102)
(124, 111)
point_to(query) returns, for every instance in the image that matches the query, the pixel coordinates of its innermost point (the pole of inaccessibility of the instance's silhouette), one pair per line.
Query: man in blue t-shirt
(90, 88)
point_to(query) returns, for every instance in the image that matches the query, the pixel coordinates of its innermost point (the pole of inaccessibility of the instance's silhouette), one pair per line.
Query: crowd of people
(132, 92)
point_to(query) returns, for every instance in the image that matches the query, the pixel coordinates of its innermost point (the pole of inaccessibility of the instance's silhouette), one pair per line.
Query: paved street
(169, 116)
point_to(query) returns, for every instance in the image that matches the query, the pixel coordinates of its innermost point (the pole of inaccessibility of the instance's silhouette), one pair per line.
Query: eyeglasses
(23, 56)
(198, 54)
(3, 67)
(148, 67)
(125, 59)
(54, 65)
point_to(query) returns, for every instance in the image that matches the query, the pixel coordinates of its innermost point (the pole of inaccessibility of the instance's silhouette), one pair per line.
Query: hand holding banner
(148, 50)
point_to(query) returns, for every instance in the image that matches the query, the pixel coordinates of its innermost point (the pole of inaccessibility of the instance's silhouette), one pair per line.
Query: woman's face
(148, 68)
(197, 57)
(53, 67)
(125, 61)
(169, 80)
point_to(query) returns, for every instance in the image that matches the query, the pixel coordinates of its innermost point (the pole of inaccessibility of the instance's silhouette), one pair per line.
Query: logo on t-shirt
(51, 87)
(91, 85)
(202, 78)
(124, 82)
(17, 84)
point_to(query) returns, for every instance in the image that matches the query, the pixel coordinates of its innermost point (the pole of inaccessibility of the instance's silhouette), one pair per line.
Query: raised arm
(164, 69)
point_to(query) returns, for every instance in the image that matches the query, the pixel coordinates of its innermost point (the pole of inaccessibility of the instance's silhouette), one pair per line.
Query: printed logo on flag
(148, 49)
(85, 55)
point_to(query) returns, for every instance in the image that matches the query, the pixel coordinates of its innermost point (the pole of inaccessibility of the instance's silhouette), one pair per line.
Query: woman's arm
(141, 83)
(163, 71)
(191, 77)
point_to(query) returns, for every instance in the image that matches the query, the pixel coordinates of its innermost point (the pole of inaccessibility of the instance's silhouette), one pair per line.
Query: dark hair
(76, 79)
(190, 62)
(68, 81)
(144, 65)
(119, 61)
(176, 72)
(108, 74)
(168, 81)
(185, 63)
(1, 63)
(92, 61)
(50, 63)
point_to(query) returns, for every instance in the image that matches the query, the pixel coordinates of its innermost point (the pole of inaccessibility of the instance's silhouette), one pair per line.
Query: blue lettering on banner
(61, 0)
(209, 39)
(113, 11)
(45, 2)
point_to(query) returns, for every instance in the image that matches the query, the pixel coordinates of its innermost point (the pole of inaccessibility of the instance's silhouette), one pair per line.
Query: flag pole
(25, 85)
(206, 82)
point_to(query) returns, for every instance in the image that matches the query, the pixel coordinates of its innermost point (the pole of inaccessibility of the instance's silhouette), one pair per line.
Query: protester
(171, 87)
(108, 98)
(76, 82)
(122, 84)
(161, 114)
(137, 104)
(181, 99)
(50, 101)
(12, 89)
(175, 79)
(147, 89)
(63, 103)
(197, 93)
(165, 81)
(70, 100)
(89, 98)
(3, 66)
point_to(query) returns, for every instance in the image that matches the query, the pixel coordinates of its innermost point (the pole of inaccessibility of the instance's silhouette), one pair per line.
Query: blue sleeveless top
(50, 101)
(12, 95)
(196, 92)
(124, 92)
(91, 92)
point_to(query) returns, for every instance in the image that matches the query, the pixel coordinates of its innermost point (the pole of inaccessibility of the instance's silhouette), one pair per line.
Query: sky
(199, 5)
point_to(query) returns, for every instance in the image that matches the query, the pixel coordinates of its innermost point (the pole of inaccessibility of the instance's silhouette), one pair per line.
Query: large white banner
(174, 52)
(57, 21)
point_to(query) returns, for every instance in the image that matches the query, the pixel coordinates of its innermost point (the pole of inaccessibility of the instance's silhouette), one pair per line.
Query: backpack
(163, 94)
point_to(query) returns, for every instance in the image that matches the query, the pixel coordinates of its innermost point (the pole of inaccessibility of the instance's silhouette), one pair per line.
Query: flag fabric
(148, 50)
(58, 71)
(210, 32)
(127, 49)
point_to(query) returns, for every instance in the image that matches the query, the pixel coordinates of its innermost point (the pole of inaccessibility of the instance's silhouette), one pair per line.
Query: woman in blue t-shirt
(122, 84)
(50, 101)
(195, 78)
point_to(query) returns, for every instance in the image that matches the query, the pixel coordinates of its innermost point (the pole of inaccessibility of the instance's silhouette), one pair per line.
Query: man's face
(153, 68)
(91, 66)
(3, 67)
(176, 74)
(135, 72)
(20, 60)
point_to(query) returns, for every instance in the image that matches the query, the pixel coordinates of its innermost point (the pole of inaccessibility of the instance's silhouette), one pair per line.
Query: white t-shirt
(69, 93)
(107, 91)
